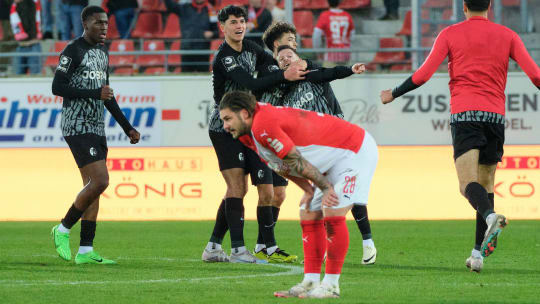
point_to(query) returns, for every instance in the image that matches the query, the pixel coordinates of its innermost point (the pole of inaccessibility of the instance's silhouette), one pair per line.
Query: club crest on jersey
(273, 68)
(275, 144)
(229, 62)
(93, 151)
(260, 174)
(241, 156)
(63, 65)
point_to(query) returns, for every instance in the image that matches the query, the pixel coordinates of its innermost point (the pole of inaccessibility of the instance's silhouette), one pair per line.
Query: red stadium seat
(437, 4)
(301, 4)
(318, 4)
(152, 60)
(304, 22)
(172, 27)
(389, 57)
(152, 5)
(511, 2)
(58, 47)
(121, 46)
(1, 33)
(401, 67)
(224, 3)
(126, 71)
(307, 43)
(155, 71)
(354, 4)
(149, 25)
(175, 59)
(406, 28)
(112, 31)
(446, 15)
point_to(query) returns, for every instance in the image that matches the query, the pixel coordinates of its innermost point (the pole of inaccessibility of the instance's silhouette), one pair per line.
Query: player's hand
(134, 136)
(358, 68)
(330, 198)
(107, 93)
(306, 199)
(386, 96)
(294, 72)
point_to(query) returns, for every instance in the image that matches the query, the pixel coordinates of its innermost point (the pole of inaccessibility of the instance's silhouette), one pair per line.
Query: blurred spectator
(25, 17)
(5, 7)
(259, 19)
(47, 18)
(69, 18)
(123, 11)
(392, 7)
(278, 14)
(338, 28)
(198, 23)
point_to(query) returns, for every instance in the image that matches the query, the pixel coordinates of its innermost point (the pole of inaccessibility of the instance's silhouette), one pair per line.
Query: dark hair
(90, 10)
(275, 31)
(283, 47)
(333, 3)
(477, 5)
(238, 100)
(234, 10)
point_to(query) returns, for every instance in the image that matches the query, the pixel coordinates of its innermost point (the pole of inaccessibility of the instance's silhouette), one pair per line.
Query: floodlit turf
(159, 262)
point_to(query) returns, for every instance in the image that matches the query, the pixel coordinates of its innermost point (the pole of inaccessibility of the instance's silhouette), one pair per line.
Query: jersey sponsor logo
(63, 65)
(273, 68)
(275, 144)
(94, 75)
(229, 62)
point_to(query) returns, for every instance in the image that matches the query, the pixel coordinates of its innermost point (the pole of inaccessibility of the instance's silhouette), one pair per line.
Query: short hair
(333, 3)
(275, 31)
(237, 101)
(284, 47)
(234, 10)
(477, 5)
(91, 10)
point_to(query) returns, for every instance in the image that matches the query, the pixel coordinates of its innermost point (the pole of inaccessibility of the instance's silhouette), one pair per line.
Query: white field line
(291, 270)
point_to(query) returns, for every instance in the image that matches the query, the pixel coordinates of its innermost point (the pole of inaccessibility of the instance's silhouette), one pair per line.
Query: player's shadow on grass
(449, 269)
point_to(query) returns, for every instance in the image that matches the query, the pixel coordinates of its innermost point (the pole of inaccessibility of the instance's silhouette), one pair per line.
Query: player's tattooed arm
(298, 164)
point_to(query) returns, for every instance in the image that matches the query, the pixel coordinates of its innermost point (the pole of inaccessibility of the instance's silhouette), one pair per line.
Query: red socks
(314, 240)
(337, 243)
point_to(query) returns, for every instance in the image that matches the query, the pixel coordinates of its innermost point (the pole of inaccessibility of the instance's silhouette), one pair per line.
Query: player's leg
(90, 154)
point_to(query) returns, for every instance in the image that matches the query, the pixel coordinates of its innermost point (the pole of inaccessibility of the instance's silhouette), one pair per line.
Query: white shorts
(351, 177)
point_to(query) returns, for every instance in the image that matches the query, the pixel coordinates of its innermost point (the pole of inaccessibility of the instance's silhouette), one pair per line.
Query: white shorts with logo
(351, 177)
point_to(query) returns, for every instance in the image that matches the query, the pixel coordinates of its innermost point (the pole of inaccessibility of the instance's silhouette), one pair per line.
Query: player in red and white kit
(338, 157)
(337, 26)
(478, 51)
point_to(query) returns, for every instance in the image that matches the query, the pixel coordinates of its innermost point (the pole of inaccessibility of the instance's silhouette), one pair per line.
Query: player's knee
(101, 184)
(278, 199)
(265, 199)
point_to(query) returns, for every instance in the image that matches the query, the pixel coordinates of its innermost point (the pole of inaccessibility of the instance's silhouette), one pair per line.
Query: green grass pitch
(159, 262)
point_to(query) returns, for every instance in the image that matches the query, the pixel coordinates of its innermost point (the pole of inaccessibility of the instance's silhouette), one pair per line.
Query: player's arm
(423, 74)
(331, 74)
(296, 163)
(519, 53)
(114, 109)
(68, 62)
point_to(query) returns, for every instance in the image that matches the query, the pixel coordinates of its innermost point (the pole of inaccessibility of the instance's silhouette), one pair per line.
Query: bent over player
(82, 79)
(478, 51)
(339, 158)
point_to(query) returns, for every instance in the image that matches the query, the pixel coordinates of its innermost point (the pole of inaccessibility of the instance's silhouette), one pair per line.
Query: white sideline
(291, 270)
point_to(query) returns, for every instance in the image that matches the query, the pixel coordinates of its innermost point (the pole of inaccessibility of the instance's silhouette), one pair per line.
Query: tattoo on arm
(300, 165)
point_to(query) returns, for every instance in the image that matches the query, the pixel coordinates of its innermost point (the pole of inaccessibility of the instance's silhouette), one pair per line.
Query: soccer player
(478, 52)
(338, 157)
(233, 68)
(337, 26)
(82, 79)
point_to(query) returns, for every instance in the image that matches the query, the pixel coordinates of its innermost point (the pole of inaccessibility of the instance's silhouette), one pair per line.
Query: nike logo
(265, 226)
(371, 258)
(97, 260)
(359, 220)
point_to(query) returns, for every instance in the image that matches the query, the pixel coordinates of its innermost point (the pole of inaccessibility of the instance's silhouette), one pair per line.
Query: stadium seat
(401, 67)
(172, 27)
(58, 47)
(152, 60)
(406, 28)
(304, 22)
(511, 3)
(318, 4)
(175, 59)
(307, 43)
(1, 33)
(121, 46)
(224, 3)
(301, 4)
(155, 71)
(389, 57)
(126, 71)
(446, 15)
(437, 4)
(354, 4)
(149, 25)
(152, 6)
(112, 32)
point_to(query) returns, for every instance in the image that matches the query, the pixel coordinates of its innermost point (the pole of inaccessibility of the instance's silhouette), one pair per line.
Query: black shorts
(260, 173)
(87, 148)
(484, 136)
(231, 153)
